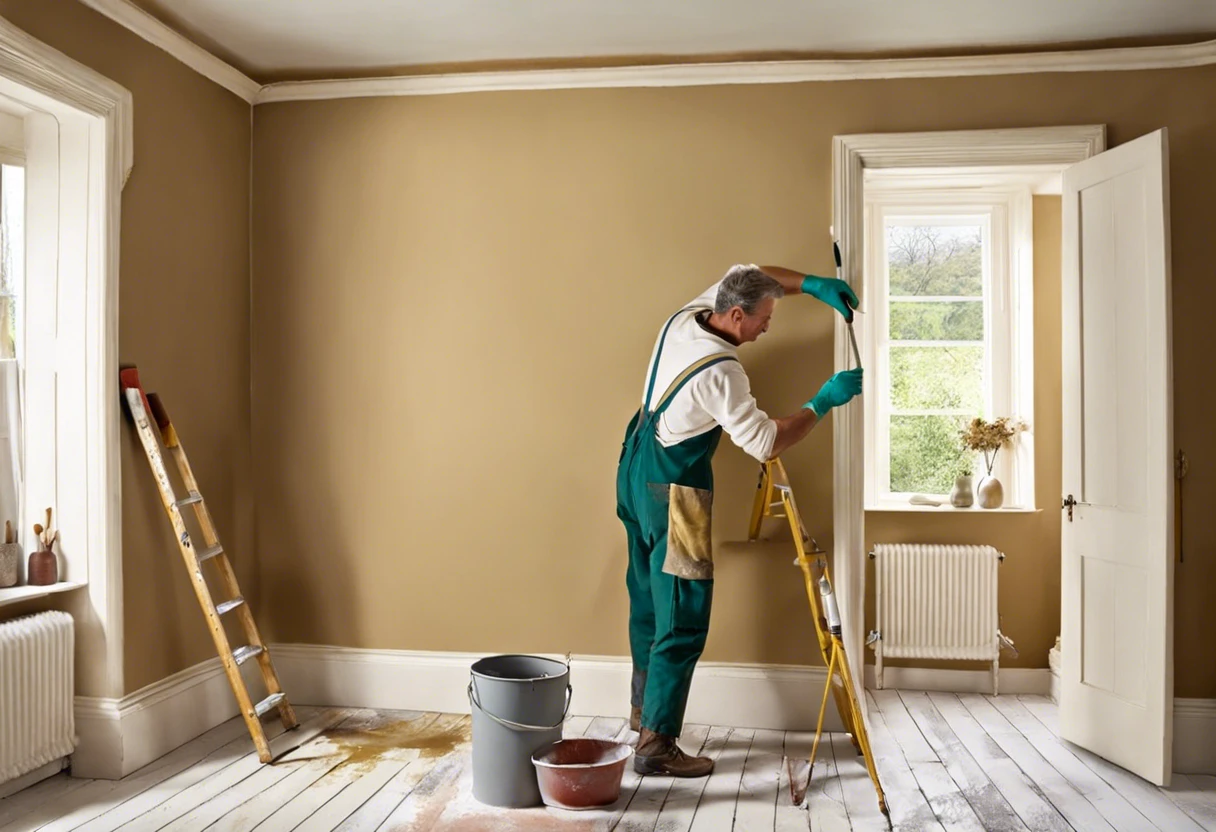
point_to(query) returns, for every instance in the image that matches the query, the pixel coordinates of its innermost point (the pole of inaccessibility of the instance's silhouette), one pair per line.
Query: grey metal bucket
(519, 704)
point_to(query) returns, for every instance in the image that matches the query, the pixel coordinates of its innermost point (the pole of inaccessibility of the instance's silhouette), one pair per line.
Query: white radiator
(936, 602)
(37, 725)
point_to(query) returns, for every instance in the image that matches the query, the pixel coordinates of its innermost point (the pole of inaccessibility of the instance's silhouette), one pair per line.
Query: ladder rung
(269, 703)
(194, 497)
(243, 654)
(209, 553)
(229, 606)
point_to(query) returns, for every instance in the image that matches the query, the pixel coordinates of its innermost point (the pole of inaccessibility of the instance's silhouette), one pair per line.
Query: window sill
(17, 594)
(946, 508)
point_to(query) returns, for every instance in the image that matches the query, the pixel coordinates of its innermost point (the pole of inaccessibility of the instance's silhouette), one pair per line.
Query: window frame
(1008, 327)
(77, 138)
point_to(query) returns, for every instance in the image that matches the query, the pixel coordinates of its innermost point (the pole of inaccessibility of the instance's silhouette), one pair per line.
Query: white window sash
(1008, 322)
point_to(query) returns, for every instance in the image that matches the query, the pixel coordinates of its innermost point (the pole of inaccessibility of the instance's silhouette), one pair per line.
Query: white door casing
(937, 153)
(1117, 550)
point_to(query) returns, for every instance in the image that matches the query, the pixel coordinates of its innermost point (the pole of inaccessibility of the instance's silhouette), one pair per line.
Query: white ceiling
(315, 36)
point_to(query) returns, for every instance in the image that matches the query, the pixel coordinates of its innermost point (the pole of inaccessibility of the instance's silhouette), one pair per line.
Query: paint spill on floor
(448, 805)
(364, 745)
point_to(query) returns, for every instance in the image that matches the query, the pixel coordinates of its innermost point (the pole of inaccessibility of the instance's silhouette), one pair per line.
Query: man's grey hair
(745, 286)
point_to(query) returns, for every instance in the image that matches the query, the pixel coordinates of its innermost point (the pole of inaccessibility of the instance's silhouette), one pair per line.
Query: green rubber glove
(836, 391)
(835, 293)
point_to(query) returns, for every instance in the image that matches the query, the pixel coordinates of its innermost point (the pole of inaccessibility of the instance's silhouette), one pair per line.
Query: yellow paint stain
(432, 738)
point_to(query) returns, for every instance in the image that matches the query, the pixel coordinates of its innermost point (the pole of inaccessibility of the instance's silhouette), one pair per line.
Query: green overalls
(664, 498)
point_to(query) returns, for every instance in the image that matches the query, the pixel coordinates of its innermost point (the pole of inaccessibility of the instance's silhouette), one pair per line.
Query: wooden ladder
(141, 406)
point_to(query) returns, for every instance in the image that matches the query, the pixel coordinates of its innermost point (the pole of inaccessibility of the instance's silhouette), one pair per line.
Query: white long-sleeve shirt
(718, 395)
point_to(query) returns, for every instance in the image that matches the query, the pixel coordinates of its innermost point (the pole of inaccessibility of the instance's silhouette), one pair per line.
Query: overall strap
(683, 378)
(654, 370)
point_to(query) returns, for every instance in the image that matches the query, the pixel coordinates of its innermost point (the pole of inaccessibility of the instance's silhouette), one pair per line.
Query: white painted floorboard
(947, 762)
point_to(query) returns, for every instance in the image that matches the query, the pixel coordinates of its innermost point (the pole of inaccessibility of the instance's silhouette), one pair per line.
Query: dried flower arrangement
(990, 437)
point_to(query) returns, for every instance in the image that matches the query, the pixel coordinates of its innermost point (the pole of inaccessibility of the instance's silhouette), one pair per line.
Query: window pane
(951, 321)
(12, 256)
(926, 454)
(937, 378)
(935, 260)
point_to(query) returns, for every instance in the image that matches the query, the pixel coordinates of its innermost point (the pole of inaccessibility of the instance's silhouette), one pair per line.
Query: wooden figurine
(10, 558)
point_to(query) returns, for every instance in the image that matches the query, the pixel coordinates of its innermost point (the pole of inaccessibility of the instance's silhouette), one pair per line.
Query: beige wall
(184, 317)
(1030, 574)
(455, 296)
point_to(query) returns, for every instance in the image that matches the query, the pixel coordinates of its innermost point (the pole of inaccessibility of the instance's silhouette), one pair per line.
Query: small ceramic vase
(43, 568)
(991, 493)
(961, 496)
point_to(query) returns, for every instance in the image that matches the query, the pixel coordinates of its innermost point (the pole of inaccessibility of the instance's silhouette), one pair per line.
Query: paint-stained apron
(665, 499)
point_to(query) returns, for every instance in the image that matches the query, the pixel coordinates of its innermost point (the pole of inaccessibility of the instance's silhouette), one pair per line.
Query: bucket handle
(475, 699)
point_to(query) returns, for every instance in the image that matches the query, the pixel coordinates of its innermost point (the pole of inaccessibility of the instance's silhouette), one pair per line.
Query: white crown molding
(159, 34)
(191, 54)
(751, 72)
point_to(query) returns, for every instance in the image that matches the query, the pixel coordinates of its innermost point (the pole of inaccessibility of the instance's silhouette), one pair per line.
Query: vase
(43, 568)
(962, 496)
(991, 494)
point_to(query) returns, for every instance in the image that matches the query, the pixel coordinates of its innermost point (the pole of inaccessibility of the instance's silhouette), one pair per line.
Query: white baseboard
(1013, 680)
(118, 736)
(1195, 736)
(1053, 662)
(782, 697)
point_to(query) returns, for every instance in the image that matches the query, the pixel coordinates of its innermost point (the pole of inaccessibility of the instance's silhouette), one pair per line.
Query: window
(948, 337)
(65, 136)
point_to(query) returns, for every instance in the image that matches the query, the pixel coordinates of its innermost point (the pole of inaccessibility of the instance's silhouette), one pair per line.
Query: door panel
(1118, 549)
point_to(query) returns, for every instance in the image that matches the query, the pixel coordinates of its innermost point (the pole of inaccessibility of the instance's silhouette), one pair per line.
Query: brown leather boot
(635, 718)
(659, 754)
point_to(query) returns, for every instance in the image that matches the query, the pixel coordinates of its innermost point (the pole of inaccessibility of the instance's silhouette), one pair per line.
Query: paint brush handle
(853, 342)
(852, 337)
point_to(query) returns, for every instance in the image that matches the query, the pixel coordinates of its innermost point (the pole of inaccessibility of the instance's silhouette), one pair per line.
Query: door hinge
(1069, 503)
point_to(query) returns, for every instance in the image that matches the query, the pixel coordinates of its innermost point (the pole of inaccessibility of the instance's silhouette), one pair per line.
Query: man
(695, 388)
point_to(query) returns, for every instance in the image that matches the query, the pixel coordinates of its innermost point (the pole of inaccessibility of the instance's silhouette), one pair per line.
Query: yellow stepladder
(775, 499)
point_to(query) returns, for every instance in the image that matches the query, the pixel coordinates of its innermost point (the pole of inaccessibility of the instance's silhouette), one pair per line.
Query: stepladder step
(243, 654)
(269, 703)
(229, 606)
(194, 497)
(209, 553)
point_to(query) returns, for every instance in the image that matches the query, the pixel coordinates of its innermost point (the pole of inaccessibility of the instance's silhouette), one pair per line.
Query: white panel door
(1117, 541)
